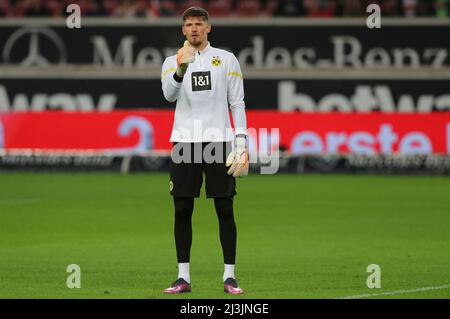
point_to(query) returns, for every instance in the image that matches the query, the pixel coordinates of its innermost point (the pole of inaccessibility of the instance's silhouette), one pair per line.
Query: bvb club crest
(216, 61)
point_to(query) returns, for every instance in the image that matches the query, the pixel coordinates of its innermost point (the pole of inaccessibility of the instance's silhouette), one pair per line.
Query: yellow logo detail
(235, 74)
(167, 72)
(216, 61)
(170, 185)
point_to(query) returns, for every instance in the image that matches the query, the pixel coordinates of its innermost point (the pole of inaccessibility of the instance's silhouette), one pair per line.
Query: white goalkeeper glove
(185, 55)
(238, 158)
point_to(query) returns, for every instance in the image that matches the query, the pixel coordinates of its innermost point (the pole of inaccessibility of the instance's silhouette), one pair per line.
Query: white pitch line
(398, 292)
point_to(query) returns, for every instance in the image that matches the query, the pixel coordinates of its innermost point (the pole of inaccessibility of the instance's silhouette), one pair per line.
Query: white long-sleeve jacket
(212, 85)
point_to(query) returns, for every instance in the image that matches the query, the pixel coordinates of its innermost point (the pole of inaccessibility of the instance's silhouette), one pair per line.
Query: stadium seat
(189, 3)
(319, 9)
(4, 7)
(110, 5)
(219, 8)
(391, 8)
(167, 8)
(248, 8)
(270, 7)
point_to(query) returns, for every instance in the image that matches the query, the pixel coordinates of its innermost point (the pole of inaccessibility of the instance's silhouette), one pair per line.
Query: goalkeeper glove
(238, 158)
(185, 56)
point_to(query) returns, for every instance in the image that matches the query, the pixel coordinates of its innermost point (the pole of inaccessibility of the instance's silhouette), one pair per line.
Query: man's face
(196, 30)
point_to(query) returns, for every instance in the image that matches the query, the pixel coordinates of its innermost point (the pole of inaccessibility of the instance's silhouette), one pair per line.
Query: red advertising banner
(299, 133)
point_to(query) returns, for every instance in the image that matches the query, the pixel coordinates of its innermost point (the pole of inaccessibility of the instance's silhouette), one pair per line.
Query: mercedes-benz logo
(34, 46)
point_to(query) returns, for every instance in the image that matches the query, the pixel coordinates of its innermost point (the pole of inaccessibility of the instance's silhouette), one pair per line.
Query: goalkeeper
(206, 82)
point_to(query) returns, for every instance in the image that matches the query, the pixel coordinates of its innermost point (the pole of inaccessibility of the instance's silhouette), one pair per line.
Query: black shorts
(188, 163)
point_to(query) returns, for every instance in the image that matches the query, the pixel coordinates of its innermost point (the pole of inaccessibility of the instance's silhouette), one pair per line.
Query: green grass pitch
(304, 236)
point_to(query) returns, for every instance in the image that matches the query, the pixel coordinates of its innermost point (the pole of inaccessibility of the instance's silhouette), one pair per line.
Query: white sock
(183, 271)
(229, 272)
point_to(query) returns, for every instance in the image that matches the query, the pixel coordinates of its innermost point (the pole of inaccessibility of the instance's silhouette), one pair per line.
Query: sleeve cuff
(177, 78)
(237, 105)
(240, 131)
